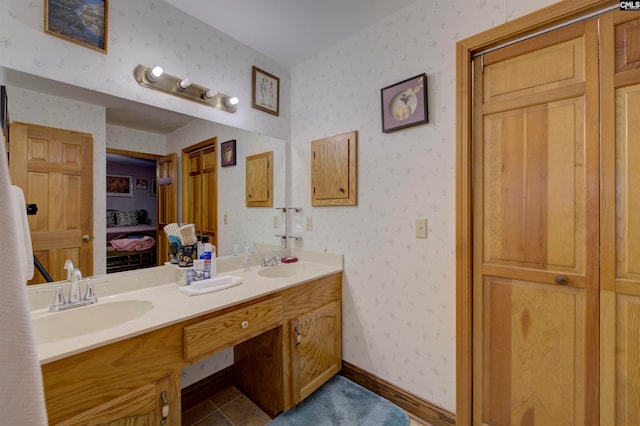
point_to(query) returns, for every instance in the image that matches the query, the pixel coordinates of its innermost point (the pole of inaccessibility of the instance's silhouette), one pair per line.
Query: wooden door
(54, 168)
(167, 201)
(620, 273)
(316, 349)
(200, 188)
(536, 231)
(259, 180)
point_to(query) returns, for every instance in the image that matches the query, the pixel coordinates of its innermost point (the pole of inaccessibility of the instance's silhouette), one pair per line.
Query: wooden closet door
(536, 231)
(620, 275)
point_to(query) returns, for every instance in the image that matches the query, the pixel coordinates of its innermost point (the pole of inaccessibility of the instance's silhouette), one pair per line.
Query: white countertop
(170, 306)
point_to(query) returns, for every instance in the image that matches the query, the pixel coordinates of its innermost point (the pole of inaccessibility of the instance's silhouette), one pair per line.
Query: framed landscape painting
(80, 21)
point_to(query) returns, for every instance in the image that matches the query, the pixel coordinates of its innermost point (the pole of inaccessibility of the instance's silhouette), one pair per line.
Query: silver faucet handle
(89, 294)
(58, 299)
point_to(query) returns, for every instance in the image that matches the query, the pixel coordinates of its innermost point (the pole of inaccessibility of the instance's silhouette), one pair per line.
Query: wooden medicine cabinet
(260, 180)
(334, 173)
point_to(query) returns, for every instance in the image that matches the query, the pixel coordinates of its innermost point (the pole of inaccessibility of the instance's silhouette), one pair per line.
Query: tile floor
(230, 407)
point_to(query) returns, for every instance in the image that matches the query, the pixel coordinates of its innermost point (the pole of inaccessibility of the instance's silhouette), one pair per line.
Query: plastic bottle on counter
(209, 257)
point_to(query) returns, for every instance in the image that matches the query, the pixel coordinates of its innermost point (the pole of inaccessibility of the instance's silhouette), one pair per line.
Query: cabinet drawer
(210, 336)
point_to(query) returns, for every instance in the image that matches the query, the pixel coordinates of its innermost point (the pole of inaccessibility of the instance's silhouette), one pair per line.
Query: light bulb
(233, 100)
(153, 74)
(183, 84)
(208, 94)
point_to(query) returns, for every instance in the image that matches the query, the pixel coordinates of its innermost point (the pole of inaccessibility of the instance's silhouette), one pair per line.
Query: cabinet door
(148, 405)
(316, 349)
(260, 180)
(620, 292)
(333, 170)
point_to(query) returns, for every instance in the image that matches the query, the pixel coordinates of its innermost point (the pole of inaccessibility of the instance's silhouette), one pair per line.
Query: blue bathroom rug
(340, 402)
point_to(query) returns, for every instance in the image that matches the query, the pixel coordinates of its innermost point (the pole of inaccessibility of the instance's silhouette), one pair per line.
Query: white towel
(191, 291)
(21, 389)
(23, 241)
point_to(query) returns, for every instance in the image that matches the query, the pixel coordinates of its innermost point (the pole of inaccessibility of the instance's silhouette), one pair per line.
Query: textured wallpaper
(127, 139)
(399, 291)
(149, 32)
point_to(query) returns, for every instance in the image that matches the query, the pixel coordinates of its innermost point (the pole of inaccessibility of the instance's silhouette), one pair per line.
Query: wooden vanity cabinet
(130, 382)
(275, 372)
(148, 405)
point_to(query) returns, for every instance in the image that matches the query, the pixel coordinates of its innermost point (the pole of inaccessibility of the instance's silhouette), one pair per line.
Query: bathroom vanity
(284, 323)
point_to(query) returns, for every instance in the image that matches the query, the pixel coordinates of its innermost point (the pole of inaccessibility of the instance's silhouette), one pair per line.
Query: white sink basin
(87, 319)
(283, 270)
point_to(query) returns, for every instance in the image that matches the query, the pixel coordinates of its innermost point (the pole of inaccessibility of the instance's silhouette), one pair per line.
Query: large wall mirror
(124, 125)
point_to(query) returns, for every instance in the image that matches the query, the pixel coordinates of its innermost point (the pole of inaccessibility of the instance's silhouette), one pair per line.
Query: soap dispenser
(247, 258)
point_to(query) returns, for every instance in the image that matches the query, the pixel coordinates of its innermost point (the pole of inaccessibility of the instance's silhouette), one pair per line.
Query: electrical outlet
(276, 222)
(421, 227)
(309, 223)
(224, 220)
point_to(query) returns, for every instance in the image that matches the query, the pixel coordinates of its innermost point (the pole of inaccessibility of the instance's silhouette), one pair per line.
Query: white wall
(399, 292)
(128, 139)
(245, 225)
(149, 32)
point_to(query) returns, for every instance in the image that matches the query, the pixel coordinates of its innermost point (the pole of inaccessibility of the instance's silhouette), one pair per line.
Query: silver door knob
(86, 238)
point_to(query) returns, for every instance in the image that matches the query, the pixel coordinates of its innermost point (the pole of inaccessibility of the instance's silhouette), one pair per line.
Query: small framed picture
(404, 104)
(265, 91)
(142, 184)
(119, 186)
(83, 22)
(228, 153)
(153, 187)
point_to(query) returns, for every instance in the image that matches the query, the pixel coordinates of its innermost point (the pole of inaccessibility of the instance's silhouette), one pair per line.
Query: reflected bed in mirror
(124, 125)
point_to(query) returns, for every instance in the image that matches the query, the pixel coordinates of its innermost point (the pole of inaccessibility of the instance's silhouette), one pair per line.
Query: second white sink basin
(87, 319)
(282, 270)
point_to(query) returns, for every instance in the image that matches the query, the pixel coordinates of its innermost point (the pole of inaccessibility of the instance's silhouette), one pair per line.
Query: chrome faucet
(270, 261)
(74, 276)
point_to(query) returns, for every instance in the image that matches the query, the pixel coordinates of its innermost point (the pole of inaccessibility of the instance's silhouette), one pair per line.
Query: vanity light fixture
(158, 80)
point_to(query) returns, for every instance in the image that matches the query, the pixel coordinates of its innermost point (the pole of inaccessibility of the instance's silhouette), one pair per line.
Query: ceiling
(290, 31)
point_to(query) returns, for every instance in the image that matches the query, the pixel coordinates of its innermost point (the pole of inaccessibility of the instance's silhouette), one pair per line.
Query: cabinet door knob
(244, 324)
(341, 189)
(165, 407)
(561, 279)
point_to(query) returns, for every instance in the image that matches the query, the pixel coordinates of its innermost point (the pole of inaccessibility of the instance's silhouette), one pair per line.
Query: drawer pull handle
(245, 324)
(165, 407)
(298, 336)
(561, 279)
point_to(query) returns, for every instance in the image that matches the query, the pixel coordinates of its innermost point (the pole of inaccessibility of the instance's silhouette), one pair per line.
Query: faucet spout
(74, 286)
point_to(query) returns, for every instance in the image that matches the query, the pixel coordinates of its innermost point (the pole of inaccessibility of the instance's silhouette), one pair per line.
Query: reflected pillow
(129, 218)
(111, 218)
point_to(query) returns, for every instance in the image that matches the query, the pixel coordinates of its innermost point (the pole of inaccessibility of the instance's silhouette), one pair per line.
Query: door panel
(536, 231)
(532, 360)
(167, 201)
(534, 203)
(54, 168)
